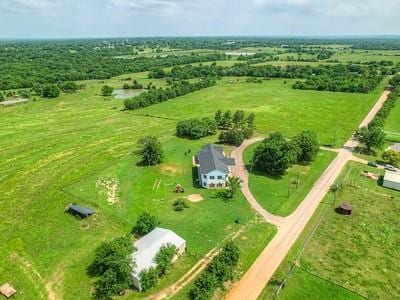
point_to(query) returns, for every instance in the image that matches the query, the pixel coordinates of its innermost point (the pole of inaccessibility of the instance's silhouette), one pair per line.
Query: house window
(219, 177)
(205, 176)
(212, 177)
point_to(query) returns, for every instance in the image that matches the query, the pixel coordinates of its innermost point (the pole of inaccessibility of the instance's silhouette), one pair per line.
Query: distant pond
(126, 93)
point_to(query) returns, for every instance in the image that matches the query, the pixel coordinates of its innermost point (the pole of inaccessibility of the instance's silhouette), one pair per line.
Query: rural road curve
(255, 279)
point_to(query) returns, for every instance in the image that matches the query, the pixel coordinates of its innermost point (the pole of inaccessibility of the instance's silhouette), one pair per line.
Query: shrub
(50, 91)
(145, 224)
(392, 157)
(148, 278)
(180, 204)
(164, 258)
(106, 90)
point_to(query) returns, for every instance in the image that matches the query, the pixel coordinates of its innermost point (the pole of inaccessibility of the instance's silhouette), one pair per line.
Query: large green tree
(150, 149)
(371, 137)
(308, 145)
(274, 155)
(106, 90)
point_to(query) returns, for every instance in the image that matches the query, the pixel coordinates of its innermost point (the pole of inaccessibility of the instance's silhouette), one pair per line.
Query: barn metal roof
(149, 245)
(392, 176)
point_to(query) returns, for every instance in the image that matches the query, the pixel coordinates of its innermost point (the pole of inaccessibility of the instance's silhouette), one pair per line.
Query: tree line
(176, 89)
(373, 135)
(336, 78)
(220, 270)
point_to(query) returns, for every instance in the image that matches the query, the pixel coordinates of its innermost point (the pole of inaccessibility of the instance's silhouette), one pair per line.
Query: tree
(274, 155)
(232, 185)
(226, 121)
(107, 90)
(308, 145)
(250, 121)
(148, 278)
(68, 87)
(392, 157)
(334, 189)
(150, 149)
(113, 266)
(164, 258)
(50, 91)
(233, 137)
(196, 128)
(1, 97)
(145, 224)
(238, 119)
(218, 118)
(371, 137)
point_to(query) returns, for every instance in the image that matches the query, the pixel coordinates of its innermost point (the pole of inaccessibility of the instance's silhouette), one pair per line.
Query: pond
(126, 93)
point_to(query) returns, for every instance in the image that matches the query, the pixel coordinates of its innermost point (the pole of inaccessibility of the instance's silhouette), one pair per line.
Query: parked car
(372, 164)
(390, 168)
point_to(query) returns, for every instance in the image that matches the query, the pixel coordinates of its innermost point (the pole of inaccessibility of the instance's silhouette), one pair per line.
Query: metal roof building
(147, 248)
(392, 180)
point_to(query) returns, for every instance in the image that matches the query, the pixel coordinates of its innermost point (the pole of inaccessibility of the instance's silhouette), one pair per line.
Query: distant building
(395, 147)
(392, 180)
(148, 246)
(214, 167)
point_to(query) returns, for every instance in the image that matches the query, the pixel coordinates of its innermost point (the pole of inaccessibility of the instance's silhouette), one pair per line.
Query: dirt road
(254, 280)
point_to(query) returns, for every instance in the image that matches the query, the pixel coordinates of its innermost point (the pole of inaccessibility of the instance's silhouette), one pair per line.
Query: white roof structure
(149, 245)
(392, 176)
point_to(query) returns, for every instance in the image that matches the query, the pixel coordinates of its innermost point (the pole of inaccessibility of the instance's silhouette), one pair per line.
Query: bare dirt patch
(195, 198)
(171, 169)
(109, 186)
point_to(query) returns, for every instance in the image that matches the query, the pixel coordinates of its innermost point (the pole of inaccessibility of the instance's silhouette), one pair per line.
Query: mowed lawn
(360, 252)
(281, 195)
(278, 107)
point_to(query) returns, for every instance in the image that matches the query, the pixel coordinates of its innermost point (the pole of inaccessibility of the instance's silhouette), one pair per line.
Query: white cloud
(21, 6)
(163, 7)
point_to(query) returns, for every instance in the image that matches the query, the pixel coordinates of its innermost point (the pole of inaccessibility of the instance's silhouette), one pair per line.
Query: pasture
(53, 152)
(357, 253)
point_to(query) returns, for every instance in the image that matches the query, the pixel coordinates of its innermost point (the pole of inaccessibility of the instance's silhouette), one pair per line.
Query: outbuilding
(80, 211)
(147, 248)
(392, 180)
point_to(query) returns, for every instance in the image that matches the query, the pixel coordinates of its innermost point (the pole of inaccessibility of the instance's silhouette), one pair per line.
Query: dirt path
(254, 280)
(241, 171)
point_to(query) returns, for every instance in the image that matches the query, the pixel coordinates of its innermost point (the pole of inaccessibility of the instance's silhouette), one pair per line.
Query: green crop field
(358, 252)
(281, 196)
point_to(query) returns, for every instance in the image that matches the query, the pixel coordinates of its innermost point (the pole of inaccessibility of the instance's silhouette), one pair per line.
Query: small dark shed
(345, 209)
(82, 212)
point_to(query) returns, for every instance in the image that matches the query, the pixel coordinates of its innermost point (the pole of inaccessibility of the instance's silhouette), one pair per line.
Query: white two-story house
(213, 166)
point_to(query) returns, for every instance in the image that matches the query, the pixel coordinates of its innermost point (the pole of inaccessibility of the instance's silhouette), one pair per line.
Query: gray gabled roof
(211, 158)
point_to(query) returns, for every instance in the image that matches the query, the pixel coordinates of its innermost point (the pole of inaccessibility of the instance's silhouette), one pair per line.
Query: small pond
(126, 93)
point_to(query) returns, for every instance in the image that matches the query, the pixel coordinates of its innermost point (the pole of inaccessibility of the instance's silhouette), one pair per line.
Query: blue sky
(109, 18)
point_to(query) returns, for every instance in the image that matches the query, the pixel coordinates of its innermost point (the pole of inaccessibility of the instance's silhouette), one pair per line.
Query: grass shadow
(195, 178)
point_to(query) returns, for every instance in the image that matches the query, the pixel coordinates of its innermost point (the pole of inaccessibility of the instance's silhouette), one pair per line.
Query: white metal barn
(392, 180)
(147, 248)
(213, 166)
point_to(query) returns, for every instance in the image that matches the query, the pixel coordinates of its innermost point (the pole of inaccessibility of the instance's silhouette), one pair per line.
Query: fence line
(330, 280)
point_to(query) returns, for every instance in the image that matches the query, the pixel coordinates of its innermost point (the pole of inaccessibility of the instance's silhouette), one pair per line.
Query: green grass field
(277, 106)
(281, 196)
(392, 123)
(359, 252)
(54, 151)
